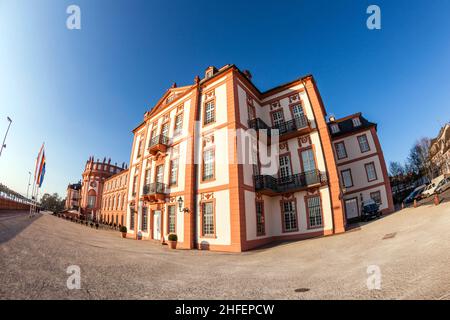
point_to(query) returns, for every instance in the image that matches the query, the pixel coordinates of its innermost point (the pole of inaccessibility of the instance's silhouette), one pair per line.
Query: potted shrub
(92, 224)
(96, 226)
(172, 239)
(123, 230)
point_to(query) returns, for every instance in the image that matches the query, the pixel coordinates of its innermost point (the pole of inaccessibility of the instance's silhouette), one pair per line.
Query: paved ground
(414, 263)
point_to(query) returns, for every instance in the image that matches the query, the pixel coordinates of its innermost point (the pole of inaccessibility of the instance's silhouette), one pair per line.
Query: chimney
(174, 85)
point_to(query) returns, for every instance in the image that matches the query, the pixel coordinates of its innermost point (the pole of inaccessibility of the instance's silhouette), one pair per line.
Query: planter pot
(172, 244)
(124, 234)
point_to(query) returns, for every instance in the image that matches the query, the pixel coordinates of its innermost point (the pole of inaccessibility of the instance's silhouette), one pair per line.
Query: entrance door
(351, 208)
(157, 225)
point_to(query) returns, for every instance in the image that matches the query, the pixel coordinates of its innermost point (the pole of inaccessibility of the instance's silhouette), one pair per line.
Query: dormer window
(210, 72)
(356, 122)
(334, 128)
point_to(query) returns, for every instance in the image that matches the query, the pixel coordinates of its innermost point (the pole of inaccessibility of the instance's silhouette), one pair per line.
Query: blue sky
(83, 91)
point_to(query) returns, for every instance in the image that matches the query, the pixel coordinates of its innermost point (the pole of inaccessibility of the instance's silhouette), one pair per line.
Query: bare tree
(396, 169)
(419, 158)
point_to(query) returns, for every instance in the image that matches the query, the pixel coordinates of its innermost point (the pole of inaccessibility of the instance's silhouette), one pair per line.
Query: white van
(431, 188)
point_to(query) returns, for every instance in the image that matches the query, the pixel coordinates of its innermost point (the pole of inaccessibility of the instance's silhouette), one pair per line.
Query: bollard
(436, 200)
(415, 203)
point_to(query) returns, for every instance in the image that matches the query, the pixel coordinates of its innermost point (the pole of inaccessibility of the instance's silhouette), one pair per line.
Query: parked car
(417, 191)
(443, 185)
(431, 188)
(370, 209)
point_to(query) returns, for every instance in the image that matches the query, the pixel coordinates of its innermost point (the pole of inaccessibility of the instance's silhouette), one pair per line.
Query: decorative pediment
(275, 105)
(209, 95)
(283, 146)
(304, 141)
(208, 140)
(288, 196)
(207, 196)
(294, 98)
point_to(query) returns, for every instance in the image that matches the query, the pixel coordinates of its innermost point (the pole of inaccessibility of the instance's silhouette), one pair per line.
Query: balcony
(272, 186)
(158, 144)
(287, 129)
(155, 192)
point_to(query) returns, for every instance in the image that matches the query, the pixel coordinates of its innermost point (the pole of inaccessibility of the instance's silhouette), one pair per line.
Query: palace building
(73, 196)
(440, 152)
(361, 164)
(188, 174)
(114, 199)
(93, 179)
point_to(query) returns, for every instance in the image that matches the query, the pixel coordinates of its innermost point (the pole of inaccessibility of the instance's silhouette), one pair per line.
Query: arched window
(92, 197)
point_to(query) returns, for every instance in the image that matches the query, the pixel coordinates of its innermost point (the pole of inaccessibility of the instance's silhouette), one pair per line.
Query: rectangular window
(171, 219)
(131, 219)
(334, 128)
(144, 219)
(347, 178)
(340, 150)
(285, 167)
(159, 174)
(153, 134)
(178, 124)
(165, 129)
(308, 161)
(210, 112)
(376, 196)
(289, 216)
(260, 223)
(314, 212)
(277, 118)
(208, 219)
(208, 164)
(356, 122)
(370, 171)
(299, 116)
(134, 184)
(147, 176)
(363, 143)
(173, 172)
(139, 152)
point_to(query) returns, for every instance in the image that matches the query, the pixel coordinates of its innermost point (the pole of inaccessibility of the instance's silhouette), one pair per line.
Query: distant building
(440, 152)
(73, 196)
(94, 176)
(361, 165)
(114, 199)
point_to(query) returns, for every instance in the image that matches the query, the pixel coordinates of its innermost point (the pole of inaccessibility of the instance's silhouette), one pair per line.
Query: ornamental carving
(207, 196)
(294, 98)
(208, 140)
(275, 105)
(209, 95)
(304, 141)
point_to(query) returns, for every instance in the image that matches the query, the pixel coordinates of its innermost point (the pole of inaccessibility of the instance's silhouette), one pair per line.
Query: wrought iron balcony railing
(155, 188)
(283, 127)
(290, 183)
(159, 139)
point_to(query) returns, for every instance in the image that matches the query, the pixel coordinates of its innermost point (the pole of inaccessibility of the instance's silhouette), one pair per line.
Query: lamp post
(29, 179)
(4, 140)
(180, 205)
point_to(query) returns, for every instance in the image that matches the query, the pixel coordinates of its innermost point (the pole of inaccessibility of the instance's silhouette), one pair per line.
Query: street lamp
(29, 179)
(4, 140)
(180, 205)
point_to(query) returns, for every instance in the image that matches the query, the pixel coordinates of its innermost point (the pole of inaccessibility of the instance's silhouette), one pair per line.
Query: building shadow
(13, 223)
